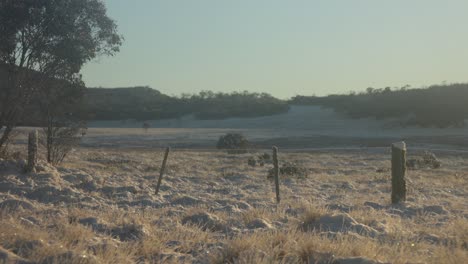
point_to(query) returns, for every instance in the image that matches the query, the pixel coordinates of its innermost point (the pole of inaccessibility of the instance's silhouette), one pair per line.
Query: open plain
(100, 206)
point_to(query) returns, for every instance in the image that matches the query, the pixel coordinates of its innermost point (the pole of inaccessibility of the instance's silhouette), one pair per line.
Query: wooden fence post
(163, 168)
(398, 172)
(32, 151)
(275, 163)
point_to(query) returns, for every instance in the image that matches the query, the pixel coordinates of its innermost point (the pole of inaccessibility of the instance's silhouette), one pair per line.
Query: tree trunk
(5, 136)
(32, 151)
(49, 136)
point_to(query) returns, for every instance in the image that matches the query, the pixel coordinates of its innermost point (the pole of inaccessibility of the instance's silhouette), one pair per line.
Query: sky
(285, 48)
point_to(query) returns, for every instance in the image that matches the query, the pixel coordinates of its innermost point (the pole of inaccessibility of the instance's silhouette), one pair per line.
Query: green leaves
(55, 37)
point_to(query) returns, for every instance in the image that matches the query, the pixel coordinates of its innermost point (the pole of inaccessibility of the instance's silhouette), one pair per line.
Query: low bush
(289, 169)
(232, 141)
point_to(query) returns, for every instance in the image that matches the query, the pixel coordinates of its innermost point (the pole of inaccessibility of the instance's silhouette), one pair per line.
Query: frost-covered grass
(100, 207)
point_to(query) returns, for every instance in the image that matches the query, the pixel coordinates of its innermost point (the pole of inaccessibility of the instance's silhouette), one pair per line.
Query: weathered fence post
(32, 151)
(163, 168)
(275, 164)
(398, 172)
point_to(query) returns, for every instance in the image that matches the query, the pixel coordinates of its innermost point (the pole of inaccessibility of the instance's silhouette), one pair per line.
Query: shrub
(289, 169)
(428, 159)
(146, 126)
(61, 140)
(260, 160)
(252, 162)
(232, 141)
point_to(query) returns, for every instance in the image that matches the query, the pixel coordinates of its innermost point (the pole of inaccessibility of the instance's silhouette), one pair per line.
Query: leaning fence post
(32, 151)
(163, 168)
(276, 170)
(398, 172)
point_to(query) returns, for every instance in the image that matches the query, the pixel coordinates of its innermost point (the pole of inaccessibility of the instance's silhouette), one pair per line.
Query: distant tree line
(436, 106)
(140, 103)
(144, 103)
(210, 105)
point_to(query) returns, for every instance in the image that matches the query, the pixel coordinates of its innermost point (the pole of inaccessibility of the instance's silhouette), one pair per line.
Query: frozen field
(302, 127)
(100, 207)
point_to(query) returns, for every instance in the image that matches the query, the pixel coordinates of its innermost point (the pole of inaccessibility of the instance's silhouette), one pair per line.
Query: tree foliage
(144, 103)
(210, 105)
(141, 103)
(43, 41)
(55, 37)
(435, 106)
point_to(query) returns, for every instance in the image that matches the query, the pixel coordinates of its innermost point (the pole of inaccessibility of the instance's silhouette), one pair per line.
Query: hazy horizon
(284, 48)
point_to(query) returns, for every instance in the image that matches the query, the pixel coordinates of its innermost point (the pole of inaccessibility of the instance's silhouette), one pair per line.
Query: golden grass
(211, 178)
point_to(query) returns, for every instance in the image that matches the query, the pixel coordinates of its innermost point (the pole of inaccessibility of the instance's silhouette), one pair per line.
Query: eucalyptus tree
(42, 41)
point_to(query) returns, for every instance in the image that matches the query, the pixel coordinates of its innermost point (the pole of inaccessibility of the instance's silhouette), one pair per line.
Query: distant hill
(129, 103)
(144, 103)
(436, 106)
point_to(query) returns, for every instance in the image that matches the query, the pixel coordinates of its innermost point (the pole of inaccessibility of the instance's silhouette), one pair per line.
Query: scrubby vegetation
(141, 103)
(209, 105)
(232, 141)
(144, 103)
(435, 106)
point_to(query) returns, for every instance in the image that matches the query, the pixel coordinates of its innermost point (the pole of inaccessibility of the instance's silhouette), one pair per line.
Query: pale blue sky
(286, 47)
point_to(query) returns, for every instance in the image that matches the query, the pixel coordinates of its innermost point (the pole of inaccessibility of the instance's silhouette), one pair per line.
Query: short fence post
(276, 171)
(398, 172)
(32, 151)
(163, 168)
